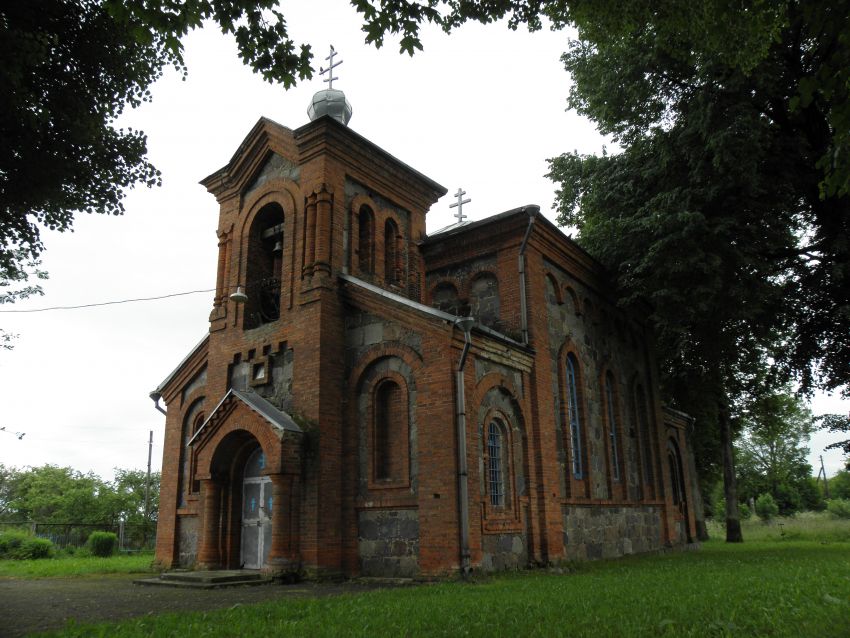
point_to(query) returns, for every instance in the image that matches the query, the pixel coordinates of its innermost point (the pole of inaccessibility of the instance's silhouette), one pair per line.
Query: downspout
(465, 324)
(155, 397)
(533, 212)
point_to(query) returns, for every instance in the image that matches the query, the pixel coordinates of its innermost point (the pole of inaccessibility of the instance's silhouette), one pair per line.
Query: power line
(112, 303)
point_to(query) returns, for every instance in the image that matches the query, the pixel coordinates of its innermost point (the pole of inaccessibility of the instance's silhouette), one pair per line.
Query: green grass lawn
(794, 588)
(814, 526)
(75, 566)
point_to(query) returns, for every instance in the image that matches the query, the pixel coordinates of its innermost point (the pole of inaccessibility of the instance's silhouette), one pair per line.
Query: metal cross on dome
(459, 204)
(330, 70)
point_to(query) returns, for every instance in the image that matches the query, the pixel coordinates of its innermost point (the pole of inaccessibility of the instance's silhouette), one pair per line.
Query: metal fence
(132, 537)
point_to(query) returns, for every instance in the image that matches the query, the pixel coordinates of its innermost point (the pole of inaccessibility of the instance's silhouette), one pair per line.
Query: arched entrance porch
(249, 463)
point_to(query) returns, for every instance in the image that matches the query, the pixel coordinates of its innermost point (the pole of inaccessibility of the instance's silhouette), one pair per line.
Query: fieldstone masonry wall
(592, 532)
(388, 543)
(503, 552)
(188, 540)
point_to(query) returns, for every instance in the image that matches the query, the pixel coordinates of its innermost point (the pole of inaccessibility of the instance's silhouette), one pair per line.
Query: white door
(257, 504)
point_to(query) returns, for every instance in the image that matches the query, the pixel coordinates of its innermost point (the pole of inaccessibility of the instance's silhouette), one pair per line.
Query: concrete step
(206, 579)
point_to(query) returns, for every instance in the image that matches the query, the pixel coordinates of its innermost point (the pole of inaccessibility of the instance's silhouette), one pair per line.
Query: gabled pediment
(280, 422)
(265, 140)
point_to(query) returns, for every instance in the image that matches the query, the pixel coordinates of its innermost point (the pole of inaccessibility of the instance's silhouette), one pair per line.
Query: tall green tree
(128, 496)
(727, 211)
(722, 211)
(68, 68)
(771, 453)
(52, 494)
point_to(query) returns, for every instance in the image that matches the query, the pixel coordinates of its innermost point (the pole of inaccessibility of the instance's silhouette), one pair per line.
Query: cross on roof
(330, 70)
(459, 204)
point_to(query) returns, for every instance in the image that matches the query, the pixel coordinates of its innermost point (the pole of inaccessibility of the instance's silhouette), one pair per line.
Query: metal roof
(428, 310)
(278, 419)
(179, 366)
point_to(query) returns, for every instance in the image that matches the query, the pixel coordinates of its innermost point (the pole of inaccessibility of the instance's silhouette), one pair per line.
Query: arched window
(675, 463)
(574, 416)
(391, 252)
(445, 297)
(265, 267)
(390, 443)
(484, 299)
(191, 422)
(366, 240)
(497, 466)
(610, 404)
(642, 415)
(553, 291)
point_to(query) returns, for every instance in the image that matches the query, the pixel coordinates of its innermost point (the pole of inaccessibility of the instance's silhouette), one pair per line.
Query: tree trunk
(699, 506)
(730, 483)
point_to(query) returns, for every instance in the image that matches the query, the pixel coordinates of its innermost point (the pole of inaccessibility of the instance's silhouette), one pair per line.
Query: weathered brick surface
(371, 486)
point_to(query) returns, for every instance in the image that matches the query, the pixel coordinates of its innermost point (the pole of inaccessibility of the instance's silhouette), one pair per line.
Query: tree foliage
(838, 424)
(52, 494)
(69, 68)
(771, 453)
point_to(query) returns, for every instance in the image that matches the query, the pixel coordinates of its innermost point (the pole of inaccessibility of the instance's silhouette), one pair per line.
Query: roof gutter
(465, 324)
(533, 212)
(155, 396)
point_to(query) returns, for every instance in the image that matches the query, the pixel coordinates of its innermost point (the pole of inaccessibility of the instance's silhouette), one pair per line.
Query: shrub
(35, 548)
(102, 543)
(839, 485)
(788, 499)
(766, 507)
(10, 543)
(21, 546)
(744, 511)
(839, 507)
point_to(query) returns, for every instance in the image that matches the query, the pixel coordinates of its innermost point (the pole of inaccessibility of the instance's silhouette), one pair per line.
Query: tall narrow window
(390, 432)
(645, 437)
(612, 426)
(675, 472)
(391, 252)
(573, 414)
(495, 469)
(366, 240)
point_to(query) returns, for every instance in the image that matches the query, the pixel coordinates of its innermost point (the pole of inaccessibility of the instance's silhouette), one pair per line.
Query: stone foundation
(593, 532)
(388, 541)
(504, 552)
(188, 549)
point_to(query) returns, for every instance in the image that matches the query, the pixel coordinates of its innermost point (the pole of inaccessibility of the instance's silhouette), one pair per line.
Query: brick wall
(336, 342)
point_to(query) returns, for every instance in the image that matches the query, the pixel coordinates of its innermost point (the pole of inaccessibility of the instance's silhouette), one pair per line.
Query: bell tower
(299, 211)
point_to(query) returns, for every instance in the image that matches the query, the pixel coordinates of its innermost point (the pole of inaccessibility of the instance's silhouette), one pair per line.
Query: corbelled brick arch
(277, 198)
(502, 450)
(362, 238)
(574, 418)
(381, 420)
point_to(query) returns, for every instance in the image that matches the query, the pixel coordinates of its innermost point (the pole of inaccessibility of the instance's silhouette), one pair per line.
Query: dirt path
(30, 606)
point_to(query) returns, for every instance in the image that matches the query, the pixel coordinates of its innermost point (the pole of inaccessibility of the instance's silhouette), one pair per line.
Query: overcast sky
(481, 109)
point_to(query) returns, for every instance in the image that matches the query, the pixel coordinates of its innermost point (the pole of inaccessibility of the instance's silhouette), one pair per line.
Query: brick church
(372, 400)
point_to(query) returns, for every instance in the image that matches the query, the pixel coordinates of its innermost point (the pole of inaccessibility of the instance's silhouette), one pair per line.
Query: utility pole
(822, 472)
(148, 487)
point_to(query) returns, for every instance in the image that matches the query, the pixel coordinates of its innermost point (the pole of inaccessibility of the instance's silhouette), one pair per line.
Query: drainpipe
(155, 397)
(465, 324)
(533, 212)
